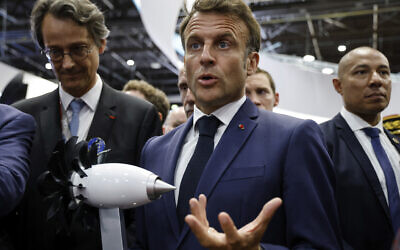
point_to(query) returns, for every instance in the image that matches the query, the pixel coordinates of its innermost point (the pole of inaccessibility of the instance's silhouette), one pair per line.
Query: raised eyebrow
(384, 67)
(192, 38)
(225, 36)
(262, 88)
(361, 66)
(78, 44)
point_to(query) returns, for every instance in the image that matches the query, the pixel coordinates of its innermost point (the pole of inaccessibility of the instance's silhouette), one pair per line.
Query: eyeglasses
(77, 53)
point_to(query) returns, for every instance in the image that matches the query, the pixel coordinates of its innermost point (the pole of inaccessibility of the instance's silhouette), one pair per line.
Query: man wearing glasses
(72, 35)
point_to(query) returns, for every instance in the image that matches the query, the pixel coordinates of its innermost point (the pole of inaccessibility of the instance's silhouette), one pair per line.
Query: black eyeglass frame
(74, 53)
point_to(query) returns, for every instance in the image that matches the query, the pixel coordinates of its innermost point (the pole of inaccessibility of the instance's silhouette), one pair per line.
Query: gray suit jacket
(122, 121)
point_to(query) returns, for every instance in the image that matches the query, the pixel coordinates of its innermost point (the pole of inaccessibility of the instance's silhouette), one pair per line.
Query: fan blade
(55, 207)
(70, 151)
(47, 185)
(56, 166)
(93, 154)
(77, 168)
(73, 205)
(84, 154)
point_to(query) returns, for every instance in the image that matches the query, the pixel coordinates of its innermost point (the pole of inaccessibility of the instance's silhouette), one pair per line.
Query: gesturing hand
(247, 237)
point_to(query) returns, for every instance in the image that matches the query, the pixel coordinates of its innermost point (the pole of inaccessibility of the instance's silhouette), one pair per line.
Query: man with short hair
(187, 97)
(365, 155)
(239, 158)
(260, 89)
(72, 34)
(148, 92)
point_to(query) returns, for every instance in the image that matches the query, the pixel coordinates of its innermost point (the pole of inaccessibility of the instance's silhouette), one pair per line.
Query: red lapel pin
(241, 126)
(111, 117)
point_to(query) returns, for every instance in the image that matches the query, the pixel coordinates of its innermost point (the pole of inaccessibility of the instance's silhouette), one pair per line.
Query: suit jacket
(16, 135)
(271, 155)
(122, 121)
(363, 210)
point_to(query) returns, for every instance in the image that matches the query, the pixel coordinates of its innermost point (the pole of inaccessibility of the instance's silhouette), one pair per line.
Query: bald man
(367, 165)
(175, 118)
(260, 88)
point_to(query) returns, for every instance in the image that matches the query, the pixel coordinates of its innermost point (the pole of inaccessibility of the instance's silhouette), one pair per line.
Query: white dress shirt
(357, 124)
(91, 99)
(225, 115)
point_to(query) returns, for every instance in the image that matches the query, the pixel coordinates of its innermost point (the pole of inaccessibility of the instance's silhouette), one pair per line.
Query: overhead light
(130, 62)
(327, 71)
(48, 66)
(342, 48)
(155, 65)
(174, 106)
(308, 58)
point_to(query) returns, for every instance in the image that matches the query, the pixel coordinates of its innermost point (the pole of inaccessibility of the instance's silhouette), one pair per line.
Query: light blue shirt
(91, 99)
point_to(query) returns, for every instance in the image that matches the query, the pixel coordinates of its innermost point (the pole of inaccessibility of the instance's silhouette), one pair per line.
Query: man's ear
(102, 46)
(276, 99)
(337, 84)
(252, 62)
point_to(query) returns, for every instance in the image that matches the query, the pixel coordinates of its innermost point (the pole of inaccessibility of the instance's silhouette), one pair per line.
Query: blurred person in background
(187, 97)
(175, 118)
(260, 88)
(146, 91)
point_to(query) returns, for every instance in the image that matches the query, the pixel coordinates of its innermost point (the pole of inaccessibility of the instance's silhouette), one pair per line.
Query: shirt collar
(90, 98)
(357, 123)
(225, 113)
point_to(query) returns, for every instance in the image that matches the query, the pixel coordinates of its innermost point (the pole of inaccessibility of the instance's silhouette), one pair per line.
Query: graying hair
(82, 12)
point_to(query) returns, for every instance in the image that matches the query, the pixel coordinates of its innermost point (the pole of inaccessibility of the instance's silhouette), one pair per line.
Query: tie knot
(76, 105)
(371, 132)
(208, 125)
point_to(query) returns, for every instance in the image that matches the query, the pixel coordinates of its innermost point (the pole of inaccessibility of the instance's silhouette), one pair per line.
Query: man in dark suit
(366, 201)
(72, 34)
(16, 135)
(258, 155)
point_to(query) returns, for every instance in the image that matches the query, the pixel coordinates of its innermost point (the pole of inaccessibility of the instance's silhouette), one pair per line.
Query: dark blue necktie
(76, 105)
(207, 126)
(391, 185)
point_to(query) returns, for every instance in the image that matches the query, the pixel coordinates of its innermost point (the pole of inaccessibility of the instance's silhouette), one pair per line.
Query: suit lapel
(358, 152)
(231, 142)
(50, 122)
(174, 149)
(104, 116)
